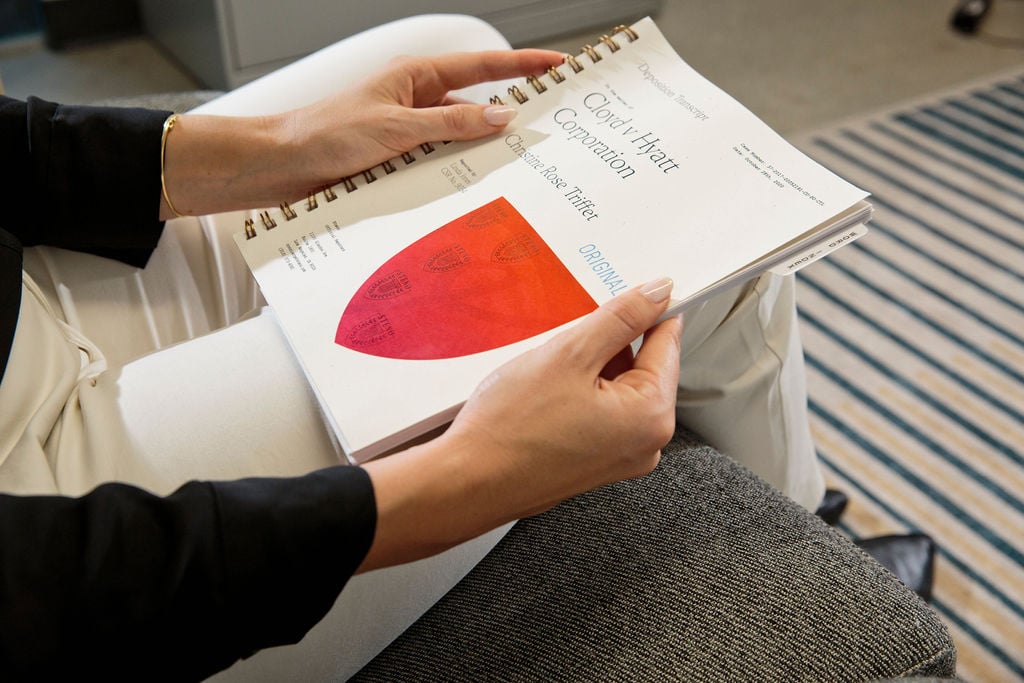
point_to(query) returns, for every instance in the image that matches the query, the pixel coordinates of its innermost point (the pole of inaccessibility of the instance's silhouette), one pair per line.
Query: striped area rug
(914, 340)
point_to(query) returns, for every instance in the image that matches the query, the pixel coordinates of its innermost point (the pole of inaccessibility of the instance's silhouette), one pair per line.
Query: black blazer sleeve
(121, 582)
(77, 177)
(82, 178)
(133, 586)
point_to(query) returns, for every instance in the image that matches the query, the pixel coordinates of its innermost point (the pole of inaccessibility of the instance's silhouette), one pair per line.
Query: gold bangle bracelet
(168, 125)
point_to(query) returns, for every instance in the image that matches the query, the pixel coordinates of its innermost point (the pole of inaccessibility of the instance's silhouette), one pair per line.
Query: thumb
(461, 121)
(619, 321)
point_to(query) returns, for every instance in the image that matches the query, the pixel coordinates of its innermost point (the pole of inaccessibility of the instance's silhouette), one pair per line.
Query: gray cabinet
(226, 43)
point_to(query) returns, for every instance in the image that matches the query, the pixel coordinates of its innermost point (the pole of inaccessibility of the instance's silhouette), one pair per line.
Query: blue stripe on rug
(959, 339)
(1008, 89)
(974, 112)
(948, 267)
(931, 177)
(959, 144)
(927, 197)
(938, 496)
(996, 102)
(946, 160)
(965, 309)
(976, 388)
(965, 625)
(893, 372)
(936, 231)
(976, 132)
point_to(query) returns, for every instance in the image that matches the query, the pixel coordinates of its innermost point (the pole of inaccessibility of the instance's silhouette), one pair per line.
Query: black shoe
(832, 506)
(911, 557)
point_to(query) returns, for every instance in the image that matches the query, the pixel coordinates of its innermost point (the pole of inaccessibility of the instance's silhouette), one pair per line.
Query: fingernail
(658, 290)
(499, 115)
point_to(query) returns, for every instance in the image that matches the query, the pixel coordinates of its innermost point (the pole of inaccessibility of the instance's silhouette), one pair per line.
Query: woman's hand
(408, 103)
(554, 422)
(221, 163)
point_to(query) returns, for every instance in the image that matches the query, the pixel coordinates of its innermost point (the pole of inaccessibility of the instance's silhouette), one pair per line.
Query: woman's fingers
(433, 77)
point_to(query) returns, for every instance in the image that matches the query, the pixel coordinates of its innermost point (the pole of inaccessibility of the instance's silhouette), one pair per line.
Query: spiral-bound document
(402, 287)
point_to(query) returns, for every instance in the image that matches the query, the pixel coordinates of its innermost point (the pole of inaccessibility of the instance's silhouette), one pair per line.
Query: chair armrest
(698, 571)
